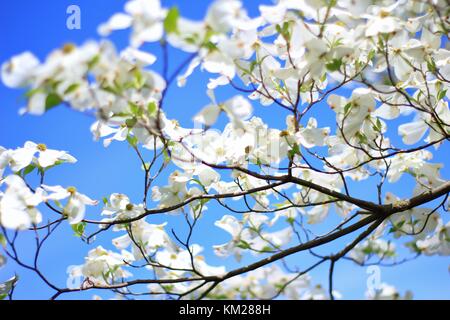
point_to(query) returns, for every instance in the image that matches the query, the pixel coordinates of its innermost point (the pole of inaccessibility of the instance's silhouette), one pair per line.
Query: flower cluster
(19, 202)
(362, 91)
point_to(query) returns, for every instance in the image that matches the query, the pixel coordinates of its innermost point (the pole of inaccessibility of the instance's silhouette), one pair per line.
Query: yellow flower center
(41, 147)
(129, 207)
(284, 133)
(384, 14)
(68, 48)
(71, 190)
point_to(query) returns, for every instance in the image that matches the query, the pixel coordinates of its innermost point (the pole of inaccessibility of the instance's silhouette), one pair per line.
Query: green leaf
(152, 108)
(192, 39)
(32, 92)
(367, 250)
(139, 80)
(54, 84)
(431, 65)
(400, 224)
(278, 28)
(52, 101)
(131, 122)
(210, 46)
(243, 245)
(132, 140)
(294, 151)
(371, 55)
(171, 21)
(2, 240)
(208, 34)
(121, 114)
(441, 94)
(378, 125)
(135, 109)
(290, 220)
(168, 287)
(28, 169)
(116, 91)
(334, 65)
(413, 246)
(347, 108)
(198, 182)
(93, 61)
(253, 65)
(361, 137)
(79, 228)
(71, 88)
(283, 30)
(166, 156)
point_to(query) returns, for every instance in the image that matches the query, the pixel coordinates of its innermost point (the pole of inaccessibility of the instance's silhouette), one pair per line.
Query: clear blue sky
(40, 26)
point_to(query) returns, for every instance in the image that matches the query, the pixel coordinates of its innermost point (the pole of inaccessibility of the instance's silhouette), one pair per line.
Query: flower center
(68, 48)
(129, 207)
(284, 133)
(41, 147)
(71, 190)
(384, 14)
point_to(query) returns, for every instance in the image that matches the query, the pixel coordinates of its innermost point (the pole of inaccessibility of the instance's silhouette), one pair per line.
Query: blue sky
(40, 26)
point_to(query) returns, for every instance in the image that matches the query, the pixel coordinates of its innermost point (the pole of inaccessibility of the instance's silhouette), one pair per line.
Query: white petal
(412, 132)
(57, 192)
(386, 111)
(150, 34)
(21, 158)
(116, 22)
(239, 107)
(14, 218)
(207, 176)
(138, 57)
(48, 157)
(36, 104)
(229, 224)
(181, 80)
(75, 210)
(87, 200)
(208, 115)
(122, 242)
(18, 71)
(336, 102)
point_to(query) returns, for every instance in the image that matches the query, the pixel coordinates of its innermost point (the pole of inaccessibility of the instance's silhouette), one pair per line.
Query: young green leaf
(171, 21)
(52, 101)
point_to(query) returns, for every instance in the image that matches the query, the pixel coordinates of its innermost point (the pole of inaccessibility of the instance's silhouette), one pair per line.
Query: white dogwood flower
(145, 17)
(102, 267)
(76, 203)
(22, 157)
(18, 204)
(237, 108)
(18, 71)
